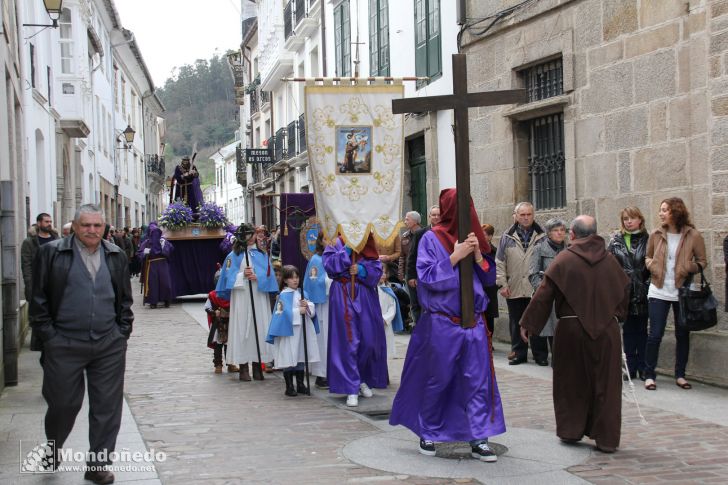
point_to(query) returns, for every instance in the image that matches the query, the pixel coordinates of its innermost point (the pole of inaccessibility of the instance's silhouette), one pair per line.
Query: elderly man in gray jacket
(512, 270)
(81, 309)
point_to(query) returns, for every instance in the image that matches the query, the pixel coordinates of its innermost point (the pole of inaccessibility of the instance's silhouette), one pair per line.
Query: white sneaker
(364, 390)
(352, 400)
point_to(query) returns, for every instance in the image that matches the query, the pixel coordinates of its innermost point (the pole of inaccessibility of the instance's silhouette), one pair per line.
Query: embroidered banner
(355, 147)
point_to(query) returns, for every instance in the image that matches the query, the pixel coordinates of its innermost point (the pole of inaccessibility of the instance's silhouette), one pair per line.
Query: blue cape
(264, 271)
(281, 323)
(228, 273)
(397, 323)
(314, 286)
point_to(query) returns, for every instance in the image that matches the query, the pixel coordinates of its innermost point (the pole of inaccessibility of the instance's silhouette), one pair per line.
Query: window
(49, 79)
(546, 161)
(427, 39)
(116, 87)
(123, 94)
(544, 80)
(66, 34)
(379, 37)
(342, 39)
(32, 65)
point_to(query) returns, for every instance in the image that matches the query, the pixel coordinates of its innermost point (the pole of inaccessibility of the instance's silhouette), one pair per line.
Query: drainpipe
(323, 39)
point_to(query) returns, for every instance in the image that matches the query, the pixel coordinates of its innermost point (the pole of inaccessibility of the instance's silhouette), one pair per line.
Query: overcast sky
(171, 33)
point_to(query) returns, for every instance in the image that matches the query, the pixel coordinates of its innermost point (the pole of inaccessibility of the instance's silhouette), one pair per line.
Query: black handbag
(698, 308)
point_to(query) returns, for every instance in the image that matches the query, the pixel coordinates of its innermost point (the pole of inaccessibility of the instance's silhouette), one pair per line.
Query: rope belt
(347, 316)
(146, 274)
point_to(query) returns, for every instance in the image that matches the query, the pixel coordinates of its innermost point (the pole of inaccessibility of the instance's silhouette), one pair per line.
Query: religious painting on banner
(355, 147)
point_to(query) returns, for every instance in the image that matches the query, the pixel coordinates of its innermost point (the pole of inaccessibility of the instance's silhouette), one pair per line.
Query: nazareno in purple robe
(357, 345)
(156, 278)
(188, 188)
(448, 390)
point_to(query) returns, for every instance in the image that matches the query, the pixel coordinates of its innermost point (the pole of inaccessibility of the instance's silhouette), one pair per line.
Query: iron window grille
(291, 138)
(544, 80)
(546, 161)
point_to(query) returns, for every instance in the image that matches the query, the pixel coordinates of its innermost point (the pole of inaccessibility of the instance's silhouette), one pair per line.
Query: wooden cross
(460, 101)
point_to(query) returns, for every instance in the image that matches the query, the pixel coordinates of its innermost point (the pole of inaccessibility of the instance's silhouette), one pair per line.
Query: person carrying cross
(448, 390)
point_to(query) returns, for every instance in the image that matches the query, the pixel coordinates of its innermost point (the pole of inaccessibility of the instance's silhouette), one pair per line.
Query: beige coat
(690, 251)
(513, 263)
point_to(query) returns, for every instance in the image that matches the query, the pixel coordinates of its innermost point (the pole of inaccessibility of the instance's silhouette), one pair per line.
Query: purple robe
(188, 188)
(357, 346)
(155, 270)
(448, 390)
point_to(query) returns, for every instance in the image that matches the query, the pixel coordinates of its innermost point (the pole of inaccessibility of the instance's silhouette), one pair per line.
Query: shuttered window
(342, 39)
(379, 37)
(428, 51)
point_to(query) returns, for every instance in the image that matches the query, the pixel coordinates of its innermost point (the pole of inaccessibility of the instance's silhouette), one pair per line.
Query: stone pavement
(215, 429)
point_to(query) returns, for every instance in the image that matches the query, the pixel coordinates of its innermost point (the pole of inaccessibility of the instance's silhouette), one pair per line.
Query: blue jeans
(634, 336)
(658, 310)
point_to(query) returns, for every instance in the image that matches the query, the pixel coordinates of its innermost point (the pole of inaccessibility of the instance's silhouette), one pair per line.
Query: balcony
(155, 165)
(294, 40)
(264, 98)
(307, 17)
(261, 172)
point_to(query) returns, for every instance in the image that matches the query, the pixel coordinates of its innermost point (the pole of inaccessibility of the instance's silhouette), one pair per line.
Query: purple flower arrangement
(176, 216)
(212, 216)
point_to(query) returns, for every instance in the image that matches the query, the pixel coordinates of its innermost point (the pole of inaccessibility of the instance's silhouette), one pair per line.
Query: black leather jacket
(50, 272)
(633, 263)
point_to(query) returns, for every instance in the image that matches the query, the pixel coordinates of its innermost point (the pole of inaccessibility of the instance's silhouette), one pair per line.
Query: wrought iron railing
(291, 138)
(279, 144)
(271, 147)
(546, 161)
(264, 97)
(254, 104)
(301, 11)
(288, 19)
(544, 80)
(155, 164)
(302, 133)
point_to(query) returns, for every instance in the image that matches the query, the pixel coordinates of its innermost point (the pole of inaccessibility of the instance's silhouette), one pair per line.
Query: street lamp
(128, 138)
(53, 7)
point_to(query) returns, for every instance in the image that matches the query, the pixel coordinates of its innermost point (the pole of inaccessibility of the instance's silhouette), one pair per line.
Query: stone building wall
(645, 108)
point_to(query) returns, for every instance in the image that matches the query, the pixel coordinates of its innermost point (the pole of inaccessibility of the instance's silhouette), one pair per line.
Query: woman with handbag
(674, 251)
(629, 246)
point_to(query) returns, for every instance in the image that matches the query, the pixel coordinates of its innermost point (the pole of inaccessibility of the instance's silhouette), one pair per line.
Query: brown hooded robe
(590, 289)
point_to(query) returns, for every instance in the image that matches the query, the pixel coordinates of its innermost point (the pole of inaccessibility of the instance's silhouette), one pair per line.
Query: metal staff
(255, 319)
(305, 344)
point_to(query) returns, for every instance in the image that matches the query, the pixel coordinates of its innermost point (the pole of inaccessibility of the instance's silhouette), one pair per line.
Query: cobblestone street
(215, 429)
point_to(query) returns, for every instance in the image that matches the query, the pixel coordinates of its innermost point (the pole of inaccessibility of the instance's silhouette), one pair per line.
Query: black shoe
(483, 453)
(290, 390)
(257, 372)
(542, 363)
(153, 307)
(101, 477)
(641, 375)
(300, 385)
(518, 360)
(166, 304)
(322, 383)
(427, 447)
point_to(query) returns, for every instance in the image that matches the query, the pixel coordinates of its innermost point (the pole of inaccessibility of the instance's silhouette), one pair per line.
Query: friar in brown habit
(591, 293)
